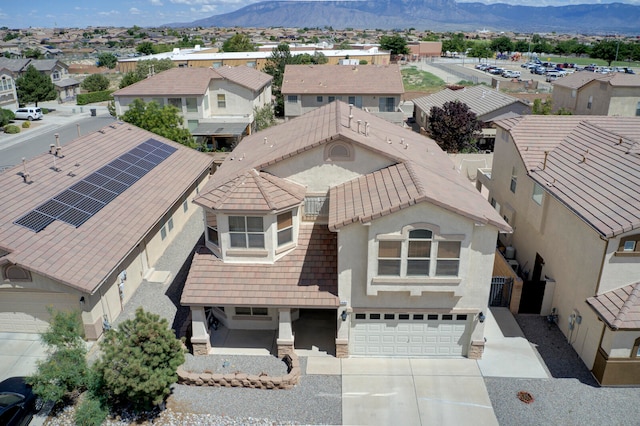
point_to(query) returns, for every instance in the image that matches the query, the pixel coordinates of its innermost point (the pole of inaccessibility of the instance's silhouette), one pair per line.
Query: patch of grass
(422, 81)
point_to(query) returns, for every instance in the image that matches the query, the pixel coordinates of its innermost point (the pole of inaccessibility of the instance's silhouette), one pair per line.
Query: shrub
(45, 110)
(88, 98)
(11, 129)
(363, 62)
(90, 413)
(95, 83)
(26, 125)
(6, 116)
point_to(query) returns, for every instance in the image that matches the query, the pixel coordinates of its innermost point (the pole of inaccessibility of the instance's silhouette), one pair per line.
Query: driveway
(19, 353)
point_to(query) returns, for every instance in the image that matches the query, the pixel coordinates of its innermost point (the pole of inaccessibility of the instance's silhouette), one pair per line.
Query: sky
(149, 13)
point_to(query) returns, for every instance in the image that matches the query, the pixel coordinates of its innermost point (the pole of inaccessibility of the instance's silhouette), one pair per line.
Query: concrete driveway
(19, 353)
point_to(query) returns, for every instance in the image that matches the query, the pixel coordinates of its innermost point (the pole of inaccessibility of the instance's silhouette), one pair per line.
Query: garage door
(409, 335)
(26, 311)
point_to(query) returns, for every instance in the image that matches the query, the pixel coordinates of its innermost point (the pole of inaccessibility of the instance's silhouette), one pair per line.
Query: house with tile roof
(217, 104)
(8, 94)
(488, 105)
(588, 93)
(568, 185)
(84, 224)
(343, 214)
(374, 88)
(66, 87)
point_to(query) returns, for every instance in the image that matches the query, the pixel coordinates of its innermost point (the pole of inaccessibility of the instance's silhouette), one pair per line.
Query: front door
(533, 290)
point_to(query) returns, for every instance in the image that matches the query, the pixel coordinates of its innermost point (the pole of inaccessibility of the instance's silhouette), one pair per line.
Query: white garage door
(409, 335)
(26, 311)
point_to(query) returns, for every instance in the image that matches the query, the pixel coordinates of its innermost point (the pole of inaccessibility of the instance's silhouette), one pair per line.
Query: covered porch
(220, 136)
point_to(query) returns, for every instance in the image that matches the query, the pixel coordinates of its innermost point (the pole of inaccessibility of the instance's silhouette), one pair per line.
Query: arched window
(635, 352)
(338, 151)
(16, 273)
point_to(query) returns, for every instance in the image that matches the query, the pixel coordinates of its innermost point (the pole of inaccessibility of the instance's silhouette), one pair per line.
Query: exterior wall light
(481, 317)
(343, 315)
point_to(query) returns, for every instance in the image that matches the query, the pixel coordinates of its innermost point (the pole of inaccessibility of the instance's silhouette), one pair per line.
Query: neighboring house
(344, 214)
(217, 104)
(82, 227)
(8, 95)
(66, 87)
(568, 185)
(488, 105)
(588, 93)
(374, 88)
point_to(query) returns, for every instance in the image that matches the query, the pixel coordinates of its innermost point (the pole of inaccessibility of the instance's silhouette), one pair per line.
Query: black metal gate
(500, 291)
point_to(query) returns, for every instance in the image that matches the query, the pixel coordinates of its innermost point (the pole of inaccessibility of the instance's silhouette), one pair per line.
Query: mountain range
(435, 15)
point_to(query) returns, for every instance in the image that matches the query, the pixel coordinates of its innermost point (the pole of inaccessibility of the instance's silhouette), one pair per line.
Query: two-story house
(8, 95)
(488, 105)
(568, 185)
(83, 225)
(588, 93)
(66, 87)
(342, 212)
(377, 89)
(217, 104)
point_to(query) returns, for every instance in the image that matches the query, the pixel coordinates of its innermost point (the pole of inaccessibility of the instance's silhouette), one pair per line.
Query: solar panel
(81, 201)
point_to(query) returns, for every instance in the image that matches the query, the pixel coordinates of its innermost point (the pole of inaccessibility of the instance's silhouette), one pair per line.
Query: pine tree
(34, 87)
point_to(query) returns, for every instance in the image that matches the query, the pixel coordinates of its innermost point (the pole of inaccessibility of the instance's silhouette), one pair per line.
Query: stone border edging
(239, 379)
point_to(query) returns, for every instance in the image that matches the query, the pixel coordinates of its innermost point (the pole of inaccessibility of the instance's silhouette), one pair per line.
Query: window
(246, 232)
(185, 206)
(170, 224)
(418, 317)
(292, 99)
(361, 316)
(192, 105)
(249, 311)
(55, 75)
(638, 110)
(574, 92)
(16, 273)
(448, 260)
(212, 228)
(331, 98)
(217, 64)
(319, 99)
(192, 125)
(412, 257)
(338, 151)
(461, 317)
(374, 316)
(447, 317)
(432, 317)
(206, 102)
(590, 102)
(538, 191)
(356, 101)
(251, 64)
(514, 180)
(176, 102)
(222, 101)
(163, 232)
(285, 228)
(629, 246)
(403, 316)
(387, 104)
(635, 352)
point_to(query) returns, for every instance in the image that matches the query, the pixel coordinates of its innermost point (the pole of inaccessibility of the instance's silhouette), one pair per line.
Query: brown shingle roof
(620, 308)
(342, 80)
(431, 169)
(194, 81)
(591, 165)
(306, 277)
(84, 257)
(255, 191)
(580, 79)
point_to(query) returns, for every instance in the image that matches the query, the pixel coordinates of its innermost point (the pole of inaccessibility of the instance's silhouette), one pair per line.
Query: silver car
(29, 113)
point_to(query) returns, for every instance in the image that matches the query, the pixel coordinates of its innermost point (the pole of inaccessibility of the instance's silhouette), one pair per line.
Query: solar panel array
(84, 199)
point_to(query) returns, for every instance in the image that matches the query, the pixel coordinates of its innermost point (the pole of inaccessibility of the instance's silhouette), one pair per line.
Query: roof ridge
(633, 299)
(256, 175)
(409, 166)
(234, 183)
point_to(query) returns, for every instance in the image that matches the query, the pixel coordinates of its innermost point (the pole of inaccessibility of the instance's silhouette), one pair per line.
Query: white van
(29, 113)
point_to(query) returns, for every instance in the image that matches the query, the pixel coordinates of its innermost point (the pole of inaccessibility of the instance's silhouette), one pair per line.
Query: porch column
(200, 332)
(342, 339)
(285, 333)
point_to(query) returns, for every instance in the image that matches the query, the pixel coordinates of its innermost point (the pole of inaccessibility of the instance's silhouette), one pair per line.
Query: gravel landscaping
(571, 397)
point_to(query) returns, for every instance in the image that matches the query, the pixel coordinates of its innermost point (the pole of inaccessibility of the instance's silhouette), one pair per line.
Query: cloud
(134, 11)
(193, 2)
(156, 2)
(109, 13)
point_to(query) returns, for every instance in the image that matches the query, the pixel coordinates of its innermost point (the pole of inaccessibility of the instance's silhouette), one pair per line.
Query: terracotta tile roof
(432, 171)
(480, 99)
(84, 257)
(620, 308)
(255, 191)
(306, 277)
(194, 81)
(591, 165)
(342, 80)
(580, 79)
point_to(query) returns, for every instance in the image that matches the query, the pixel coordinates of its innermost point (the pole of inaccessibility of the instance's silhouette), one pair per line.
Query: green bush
(11, 129)
(26, 125)
(45, 110)
(89, 98)
(6, 116)
(90, 413)
(95, 83)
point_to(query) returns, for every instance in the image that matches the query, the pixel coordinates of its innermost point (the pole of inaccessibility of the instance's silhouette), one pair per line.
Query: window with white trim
(222, 101)
(176, 102)
(292, 99)
(590, 102)
(538, 192)
(413, 256)
(629, 246)
(514, 180)
(252, 311)
(285, 228)
(212, 229)
(246, 232)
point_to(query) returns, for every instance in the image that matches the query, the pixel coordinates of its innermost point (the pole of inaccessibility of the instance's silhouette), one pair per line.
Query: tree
(144, 69)
(454, 127)
(480, 50)
(238, 43)
(606, 50)
(107, 59)
(280, 57)
(32, 53)
(128, 79)
(33, 86)
(396, 44)
(95, 83)
(264, 117)
(545, 107)
(139, 361)
(501, 44)
(165, 121)
(456, 43)
(145, 48)
(65, 369)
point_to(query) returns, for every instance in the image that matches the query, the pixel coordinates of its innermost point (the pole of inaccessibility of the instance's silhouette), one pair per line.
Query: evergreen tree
(34, 87)
(108, 60)
(139, 361)
(238, 43)
(95, 83)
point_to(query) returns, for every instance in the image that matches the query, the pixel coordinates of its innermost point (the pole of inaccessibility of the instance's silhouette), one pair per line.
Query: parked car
(17, 402)
(538, 70)
(496, 71)
(511, 74)
(29, 113)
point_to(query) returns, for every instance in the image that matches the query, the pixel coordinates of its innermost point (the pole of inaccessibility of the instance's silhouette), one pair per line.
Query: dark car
(17, 402)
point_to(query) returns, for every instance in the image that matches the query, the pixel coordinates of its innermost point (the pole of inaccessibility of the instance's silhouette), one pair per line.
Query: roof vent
(366, 128)
(58, 147)
(25, 174)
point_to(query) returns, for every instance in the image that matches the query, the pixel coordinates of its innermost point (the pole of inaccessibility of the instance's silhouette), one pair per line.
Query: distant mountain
(436, 15)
